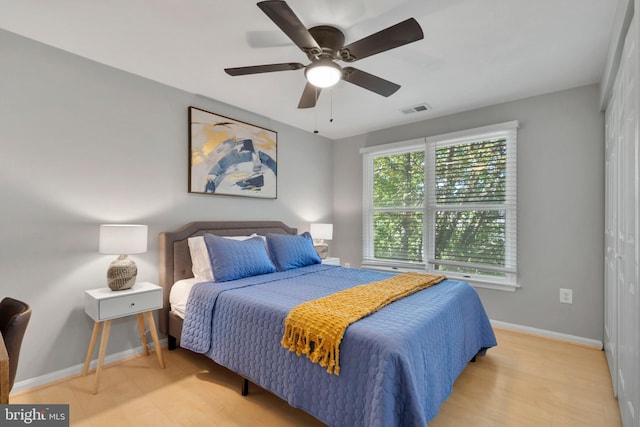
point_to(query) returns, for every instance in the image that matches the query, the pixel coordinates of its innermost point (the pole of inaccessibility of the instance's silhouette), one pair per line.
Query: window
(445, 204)
(397, 204)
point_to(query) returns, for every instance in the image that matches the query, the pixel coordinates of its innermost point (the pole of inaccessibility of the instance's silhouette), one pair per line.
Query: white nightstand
(104, 305)
(331, 261)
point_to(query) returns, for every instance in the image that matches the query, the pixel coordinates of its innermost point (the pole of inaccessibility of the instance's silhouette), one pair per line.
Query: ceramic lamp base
(122, 274)
(322, 249)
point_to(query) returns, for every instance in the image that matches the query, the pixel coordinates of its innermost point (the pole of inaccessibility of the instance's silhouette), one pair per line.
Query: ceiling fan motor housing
(330, 39)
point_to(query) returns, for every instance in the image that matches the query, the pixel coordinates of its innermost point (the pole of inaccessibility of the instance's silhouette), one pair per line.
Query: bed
(397, 365)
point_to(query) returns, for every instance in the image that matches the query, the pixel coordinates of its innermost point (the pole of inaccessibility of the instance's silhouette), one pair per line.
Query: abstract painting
(230, 157)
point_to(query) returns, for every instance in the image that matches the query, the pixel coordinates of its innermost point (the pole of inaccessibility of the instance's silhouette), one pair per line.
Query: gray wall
(560, 205)
(84, 144)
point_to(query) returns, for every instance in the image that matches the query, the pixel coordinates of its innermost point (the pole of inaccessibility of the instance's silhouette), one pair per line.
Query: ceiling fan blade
(256, 69)
(369, 81)
(282, 15)
(397, 35)
(309, 96)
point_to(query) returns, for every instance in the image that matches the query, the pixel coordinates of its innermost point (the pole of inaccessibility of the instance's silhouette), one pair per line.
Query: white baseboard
(548, 334)
(74, 370)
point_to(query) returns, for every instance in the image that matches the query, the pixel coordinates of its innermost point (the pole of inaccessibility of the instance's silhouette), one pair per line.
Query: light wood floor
(524, 381)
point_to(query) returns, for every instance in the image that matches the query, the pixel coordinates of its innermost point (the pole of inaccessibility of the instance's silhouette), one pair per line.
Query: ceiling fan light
(323, 74)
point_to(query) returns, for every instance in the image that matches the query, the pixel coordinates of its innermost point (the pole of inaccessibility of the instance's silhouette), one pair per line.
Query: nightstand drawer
(104, 304)
(131, 304)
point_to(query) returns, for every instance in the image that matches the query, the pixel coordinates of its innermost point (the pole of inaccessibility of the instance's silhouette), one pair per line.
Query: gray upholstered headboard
(175, 260)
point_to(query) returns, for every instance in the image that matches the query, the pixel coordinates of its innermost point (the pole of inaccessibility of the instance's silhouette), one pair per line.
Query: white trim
(478, 132)
(481, 282)
(381, 149)
(548, 334)
(74, 370)
(394, 267)
(403, 268)
(485, 267)
(475, 133)
(624, 15)
(485, 284)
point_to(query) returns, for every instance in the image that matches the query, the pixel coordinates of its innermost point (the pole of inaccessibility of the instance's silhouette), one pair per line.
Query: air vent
(417, 108)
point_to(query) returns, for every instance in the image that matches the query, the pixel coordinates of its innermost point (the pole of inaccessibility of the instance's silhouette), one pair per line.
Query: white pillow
(201, 264)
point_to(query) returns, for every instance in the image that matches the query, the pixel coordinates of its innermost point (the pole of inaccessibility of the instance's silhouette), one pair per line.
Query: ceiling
(475, 52)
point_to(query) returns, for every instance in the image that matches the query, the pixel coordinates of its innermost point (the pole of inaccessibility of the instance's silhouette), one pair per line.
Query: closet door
(610, 238)
(627, 256)
(622, 255)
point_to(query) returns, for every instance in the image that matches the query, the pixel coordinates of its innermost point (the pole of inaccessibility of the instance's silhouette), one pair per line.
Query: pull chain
(316, 110)
(331, 107)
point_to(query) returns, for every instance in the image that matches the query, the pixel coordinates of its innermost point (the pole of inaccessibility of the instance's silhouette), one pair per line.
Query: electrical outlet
(566, 296)
(347, 265)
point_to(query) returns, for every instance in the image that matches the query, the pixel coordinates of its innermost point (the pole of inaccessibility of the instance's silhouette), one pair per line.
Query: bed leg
(245, 387)
(480, 352)
(171, 342)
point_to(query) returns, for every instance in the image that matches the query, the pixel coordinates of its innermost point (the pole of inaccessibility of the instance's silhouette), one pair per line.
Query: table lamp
(320, 233)
(122, 240)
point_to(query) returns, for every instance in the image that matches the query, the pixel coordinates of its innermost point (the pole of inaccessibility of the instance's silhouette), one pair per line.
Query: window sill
(485, 284)
(393, 268)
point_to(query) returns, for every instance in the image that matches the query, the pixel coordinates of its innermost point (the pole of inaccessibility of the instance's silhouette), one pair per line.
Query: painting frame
(230, 157)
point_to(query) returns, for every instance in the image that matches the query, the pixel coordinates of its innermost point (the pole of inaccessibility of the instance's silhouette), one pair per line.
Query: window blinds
(395, 205)
(473, 207)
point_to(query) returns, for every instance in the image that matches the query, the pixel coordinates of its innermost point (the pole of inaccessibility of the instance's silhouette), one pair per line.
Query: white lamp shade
(321, 231)
(123, 239)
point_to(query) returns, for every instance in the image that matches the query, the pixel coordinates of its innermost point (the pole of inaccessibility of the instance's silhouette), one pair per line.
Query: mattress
(179, 295)
(397, 365)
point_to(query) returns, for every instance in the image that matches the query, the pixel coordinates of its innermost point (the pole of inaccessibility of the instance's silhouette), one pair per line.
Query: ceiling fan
(324, 46)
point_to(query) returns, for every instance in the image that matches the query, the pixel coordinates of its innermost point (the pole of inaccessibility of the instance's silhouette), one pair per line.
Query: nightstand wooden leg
(92, 346)
(154, 335)
(103, 350)
(143, 336)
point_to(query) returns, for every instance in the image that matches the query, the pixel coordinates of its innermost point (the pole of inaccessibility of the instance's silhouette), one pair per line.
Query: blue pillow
(288, 252)
(235, 259)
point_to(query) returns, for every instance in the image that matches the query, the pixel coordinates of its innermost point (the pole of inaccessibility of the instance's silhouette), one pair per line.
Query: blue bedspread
(397, 365)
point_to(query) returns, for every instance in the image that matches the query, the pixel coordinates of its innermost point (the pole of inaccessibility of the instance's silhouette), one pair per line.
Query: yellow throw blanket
(315, 328)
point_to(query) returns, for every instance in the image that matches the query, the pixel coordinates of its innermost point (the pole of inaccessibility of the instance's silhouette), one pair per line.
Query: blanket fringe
(321, 351)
